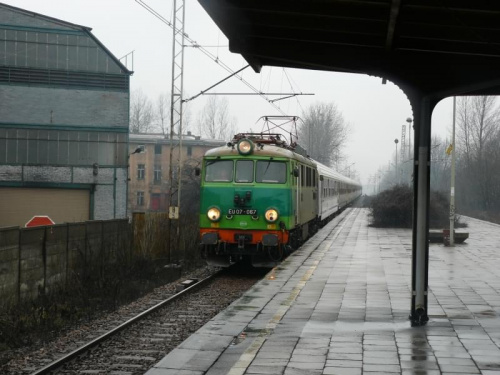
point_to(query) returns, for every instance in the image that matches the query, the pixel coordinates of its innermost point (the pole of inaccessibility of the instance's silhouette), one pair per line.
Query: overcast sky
(375, 111)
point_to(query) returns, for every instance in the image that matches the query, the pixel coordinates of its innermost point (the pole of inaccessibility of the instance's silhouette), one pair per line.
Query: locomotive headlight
(213, 213)
(271, 215)
(245, 146)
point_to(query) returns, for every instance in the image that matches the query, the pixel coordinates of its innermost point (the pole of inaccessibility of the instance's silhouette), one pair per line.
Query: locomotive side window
(244, 171)
(271, 172)
(219, 171)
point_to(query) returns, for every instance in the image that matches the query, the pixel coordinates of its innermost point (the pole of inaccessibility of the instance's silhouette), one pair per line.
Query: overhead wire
(206, 52)
(291, 87)
(281, 82)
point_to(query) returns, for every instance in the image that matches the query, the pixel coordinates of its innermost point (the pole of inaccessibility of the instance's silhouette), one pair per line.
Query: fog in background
(374, 111)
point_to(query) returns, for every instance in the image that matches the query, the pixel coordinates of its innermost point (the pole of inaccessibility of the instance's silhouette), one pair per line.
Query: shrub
(393, 208)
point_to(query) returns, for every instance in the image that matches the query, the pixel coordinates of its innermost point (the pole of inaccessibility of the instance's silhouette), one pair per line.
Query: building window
(140, 171)
(140, 198)
(157, 174)
(157, 149)
(189, 150)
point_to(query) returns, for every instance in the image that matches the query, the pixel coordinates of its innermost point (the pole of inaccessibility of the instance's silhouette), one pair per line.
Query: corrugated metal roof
(85, 29)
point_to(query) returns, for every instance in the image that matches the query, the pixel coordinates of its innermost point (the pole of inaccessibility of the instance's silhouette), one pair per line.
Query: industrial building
(64, 120)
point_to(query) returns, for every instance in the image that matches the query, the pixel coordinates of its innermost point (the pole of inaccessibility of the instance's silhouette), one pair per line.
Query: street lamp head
(396, 141)
(138, 150)
(409, 120)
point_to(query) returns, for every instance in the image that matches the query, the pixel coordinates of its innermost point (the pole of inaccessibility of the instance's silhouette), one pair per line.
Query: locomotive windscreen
(219, 171)
(244, 171)
(271, 172)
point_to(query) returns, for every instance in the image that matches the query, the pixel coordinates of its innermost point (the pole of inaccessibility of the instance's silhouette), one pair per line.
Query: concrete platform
(340, 305)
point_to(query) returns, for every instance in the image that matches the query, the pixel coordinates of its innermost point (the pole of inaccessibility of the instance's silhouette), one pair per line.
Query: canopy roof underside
(433, 48)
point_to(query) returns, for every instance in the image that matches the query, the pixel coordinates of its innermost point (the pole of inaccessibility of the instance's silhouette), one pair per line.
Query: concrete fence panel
(9, 261)
(36, 260)
(76, 250)
(56, 245)
(33, 261)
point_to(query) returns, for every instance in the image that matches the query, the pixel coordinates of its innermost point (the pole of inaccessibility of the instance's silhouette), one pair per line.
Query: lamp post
(396, 142)
(409, 121)
(452, 189)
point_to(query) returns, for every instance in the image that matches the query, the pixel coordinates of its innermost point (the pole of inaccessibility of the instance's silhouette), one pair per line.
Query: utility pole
(452, 190)
(176, 113)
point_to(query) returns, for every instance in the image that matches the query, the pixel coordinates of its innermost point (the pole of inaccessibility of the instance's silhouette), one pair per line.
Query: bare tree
(324, 133)
(141, 113)
(440, 164)
(477, 136)
(186, 118)
(478, 118)
(163, 113)
(215, 121)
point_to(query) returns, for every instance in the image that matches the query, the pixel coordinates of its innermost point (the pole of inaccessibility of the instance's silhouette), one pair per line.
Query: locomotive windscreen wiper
(267, 167)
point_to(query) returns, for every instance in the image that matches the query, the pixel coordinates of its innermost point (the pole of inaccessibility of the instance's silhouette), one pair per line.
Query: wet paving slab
(340, 305)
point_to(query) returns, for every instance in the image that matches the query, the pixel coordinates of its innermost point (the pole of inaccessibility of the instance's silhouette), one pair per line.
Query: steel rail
(77, 352)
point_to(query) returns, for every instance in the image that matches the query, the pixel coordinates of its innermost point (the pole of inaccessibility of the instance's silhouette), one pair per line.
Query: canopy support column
(421, 187)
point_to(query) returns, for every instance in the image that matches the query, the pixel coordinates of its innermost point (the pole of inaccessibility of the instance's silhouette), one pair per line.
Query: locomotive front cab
(245, 204)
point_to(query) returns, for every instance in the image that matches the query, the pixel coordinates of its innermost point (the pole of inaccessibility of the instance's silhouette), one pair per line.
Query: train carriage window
(314, 178)
(244, 171)
(219, 171)
(271, 172)
(302, 177)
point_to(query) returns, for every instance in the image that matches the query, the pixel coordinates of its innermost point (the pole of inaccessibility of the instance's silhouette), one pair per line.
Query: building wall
(64, 111)
(20, 205)
(192, 155)
(62, 106)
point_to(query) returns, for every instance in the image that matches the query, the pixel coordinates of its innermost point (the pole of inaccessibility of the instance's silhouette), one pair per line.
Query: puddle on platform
(357, 326)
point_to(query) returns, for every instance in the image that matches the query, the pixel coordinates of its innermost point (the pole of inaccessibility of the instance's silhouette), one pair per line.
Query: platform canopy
(431, 49)
(437, 47)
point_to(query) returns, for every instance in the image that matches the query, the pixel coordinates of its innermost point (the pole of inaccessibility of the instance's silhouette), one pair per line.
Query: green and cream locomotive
(260, 198)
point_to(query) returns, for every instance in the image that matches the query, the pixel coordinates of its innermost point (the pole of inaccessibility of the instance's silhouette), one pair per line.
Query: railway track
(136, 345)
